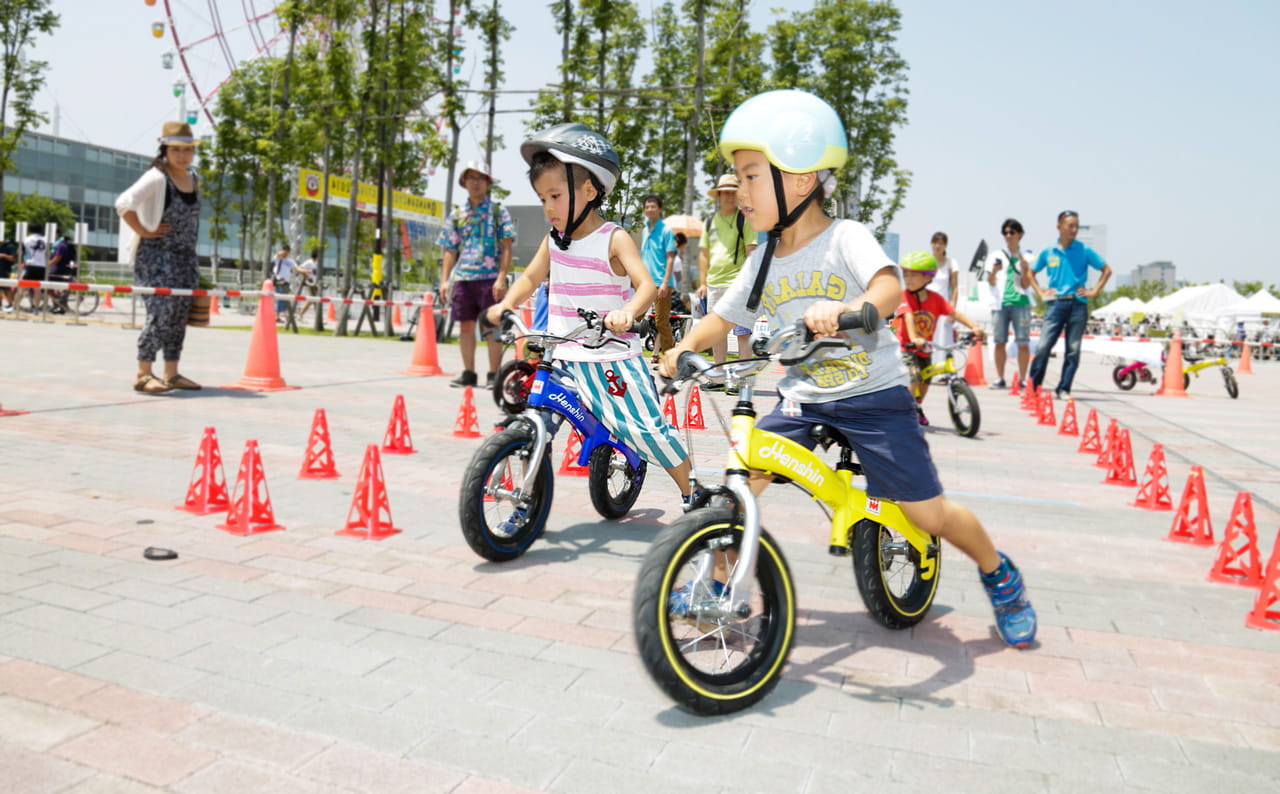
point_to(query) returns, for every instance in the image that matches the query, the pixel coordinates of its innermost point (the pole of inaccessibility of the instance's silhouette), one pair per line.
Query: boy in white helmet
(785, 147)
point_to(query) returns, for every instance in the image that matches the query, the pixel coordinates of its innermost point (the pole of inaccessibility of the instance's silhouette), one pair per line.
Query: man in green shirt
(1007, 273)
(726, 242)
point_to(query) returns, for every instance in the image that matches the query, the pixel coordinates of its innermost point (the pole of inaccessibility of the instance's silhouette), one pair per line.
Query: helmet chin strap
(563, 241)
(775, 234)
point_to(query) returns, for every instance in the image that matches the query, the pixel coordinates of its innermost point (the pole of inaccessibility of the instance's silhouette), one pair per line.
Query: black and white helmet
(577, 145)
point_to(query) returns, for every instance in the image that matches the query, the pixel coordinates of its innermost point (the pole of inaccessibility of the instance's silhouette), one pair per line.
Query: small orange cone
(1013, 388)
(1029, 400)
(10, 412)
(466, 425)
(1108, 446)
(396, 441)
(250, 511)
(425, 357)
(669, 411)
(330, 314)
(1171, 384)
(1239, 563)
(1046, 410)
(569, 465)
(1153, 494)
(1264, 615)
(1090, 442)
(262, 368)
(106, 300)
(207, 491)
(1068, 426)
(693, 413)
(1121, 471)
(1245, 367)
(395, 314)
(370, 514)
(317, 463)
(973, 374)
(1198, 529)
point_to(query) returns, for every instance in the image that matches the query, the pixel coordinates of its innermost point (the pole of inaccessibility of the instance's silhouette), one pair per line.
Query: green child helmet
(920, 262)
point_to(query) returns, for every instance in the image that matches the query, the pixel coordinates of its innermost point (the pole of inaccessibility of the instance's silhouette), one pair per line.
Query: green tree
(20, 22)
(845, 52)
(36, 211)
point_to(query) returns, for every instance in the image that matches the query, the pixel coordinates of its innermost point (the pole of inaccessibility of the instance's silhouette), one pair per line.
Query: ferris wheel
(211, 38)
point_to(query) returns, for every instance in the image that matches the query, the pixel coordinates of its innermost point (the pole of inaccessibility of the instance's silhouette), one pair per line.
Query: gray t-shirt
(836, 265)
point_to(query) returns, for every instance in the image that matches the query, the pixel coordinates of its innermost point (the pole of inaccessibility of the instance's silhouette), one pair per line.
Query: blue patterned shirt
(473, 234)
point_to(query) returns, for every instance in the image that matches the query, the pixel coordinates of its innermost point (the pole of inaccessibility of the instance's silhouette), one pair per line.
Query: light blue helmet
(796, 131)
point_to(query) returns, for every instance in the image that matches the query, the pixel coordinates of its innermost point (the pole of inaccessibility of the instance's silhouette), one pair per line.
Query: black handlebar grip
(866, 319)
(641, 326)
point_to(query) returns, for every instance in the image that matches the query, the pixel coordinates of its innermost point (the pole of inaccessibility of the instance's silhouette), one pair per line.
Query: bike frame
(1205, 363)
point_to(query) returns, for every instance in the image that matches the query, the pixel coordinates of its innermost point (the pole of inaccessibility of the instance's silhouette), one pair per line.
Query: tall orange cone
(207, 491)
(1245, 367)
(1153, 493)
(569, 465)
(1108, 445)
(1046, 416)
(973, 374)
(1068, 426)
(370, 514)
(467, 425)
(318, 463)
(330, 314)
(693, 413)
(669, 411)
(262, 368)
(396, 440)
(1089, 442)
(425, 357)
(1191, 524)
(106, 300)
(1171, 384)
(1121, 471)
(1265, 614)
(213, 305)
(395, 314)
(1013, 384)
(250, 511)
(1239, 563)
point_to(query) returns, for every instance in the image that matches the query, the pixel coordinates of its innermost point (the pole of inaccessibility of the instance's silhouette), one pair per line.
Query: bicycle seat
(826, 435)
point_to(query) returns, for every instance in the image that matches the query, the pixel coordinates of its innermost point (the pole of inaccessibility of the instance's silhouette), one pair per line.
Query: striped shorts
(622, 396)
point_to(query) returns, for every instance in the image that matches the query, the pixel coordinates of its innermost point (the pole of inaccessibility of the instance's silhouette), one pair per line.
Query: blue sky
(1155, 118)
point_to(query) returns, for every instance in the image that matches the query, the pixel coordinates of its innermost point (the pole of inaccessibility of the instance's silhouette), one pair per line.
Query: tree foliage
(20, 76)
(36, 211)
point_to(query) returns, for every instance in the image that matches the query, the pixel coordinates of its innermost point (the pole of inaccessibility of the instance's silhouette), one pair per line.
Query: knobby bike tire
(891, 582)
(613, 483)
(962, 404)
(713, 665)
(1233, 388)
(502, 457)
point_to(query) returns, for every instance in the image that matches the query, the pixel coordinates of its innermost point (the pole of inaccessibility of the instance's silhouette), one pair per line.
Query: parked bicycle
(717, 645)
(962, 403)
(1126, 376)
(508, 485)
(59, 301)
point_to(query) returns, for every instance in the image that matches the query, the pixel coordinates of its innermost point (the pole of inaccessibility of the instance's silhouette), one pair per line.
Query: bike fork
(740, 581)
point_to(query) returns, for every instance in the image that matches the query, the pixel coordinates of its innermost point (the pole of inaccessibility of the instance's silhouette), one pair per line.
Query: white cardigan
(145, 197)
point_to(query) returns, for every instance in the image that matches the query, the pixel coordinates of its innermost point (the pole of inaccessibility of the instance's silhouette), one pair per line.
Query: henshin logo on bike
(559, 399)
(801, 468)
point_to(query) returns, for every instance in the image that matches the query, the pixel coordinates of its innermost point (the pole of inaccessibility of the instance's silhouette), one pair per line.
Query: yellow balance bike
(714, 610)
(962, 404)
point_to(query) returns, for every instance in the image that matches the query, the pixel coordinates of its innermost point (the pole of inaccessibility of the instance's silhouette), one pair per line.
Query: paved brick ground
(303, 661)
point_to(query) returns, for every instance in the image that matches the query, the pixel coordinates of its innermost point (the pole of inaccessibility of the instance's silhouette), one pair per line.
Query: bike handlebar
(512, 328)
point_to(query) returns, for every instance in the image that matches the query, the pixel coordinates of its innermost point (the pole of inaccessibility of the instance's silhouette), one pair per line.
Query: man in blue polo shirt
(1066, 299)
(658, 249)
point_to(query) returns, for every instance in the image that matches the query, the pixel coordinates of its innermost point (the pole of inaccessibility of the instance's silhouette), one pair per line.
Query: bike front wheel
(896, 582)
(497, 524)
(708, 658)
(613, 483)
(1233, 388)
(962, 404)
(83, 303)
(1124, 377)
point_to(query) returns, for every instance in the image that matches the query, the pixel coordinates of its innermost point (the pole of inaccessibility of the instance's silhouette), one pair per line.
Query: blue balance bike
(507, 488)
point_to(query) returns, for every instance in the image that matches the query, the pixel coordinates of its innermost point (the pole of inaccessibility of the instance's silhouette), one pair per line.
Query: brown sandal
(182, 382)
(143, 385)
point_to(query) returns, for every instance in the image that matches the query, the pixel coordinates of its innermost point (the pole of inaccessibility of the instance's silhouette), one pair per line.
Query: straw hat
(177, 133)
(726, 182)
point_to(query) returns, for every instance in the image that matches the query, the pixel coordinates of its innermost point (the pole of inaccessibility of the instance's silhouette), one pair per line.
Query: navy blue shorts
(885, 433)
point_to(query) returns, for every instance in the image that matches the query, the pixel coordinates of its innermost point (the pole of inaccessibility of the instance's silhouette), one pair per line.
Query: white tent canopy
(1120, 307)
(1250, 309)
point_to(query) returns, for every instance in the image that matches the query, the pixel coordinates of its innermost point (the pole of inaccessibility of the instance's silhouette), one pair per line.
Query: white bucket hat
(478, 167)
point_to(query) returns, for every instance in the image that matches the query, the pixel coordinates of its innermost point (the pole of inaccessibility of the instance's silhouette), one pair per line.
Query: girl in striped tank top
(595, 265)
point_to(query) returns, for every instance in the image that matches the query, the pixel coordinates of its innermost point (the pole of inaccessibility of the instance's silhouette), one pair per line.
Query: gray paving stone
(1086, 765)
(386, 733)
(320, 629)
(66, 622)
(521, 766)
(86, 578)
(69, 597)
(140, 672)
(1061, 733)
(143, 613)
(413, 625)
(406, 647)
(1168, 777)
(329, 656)
(159, 594)
(10, 603)
(51, 649)
(583, 776)
(218, 606)
(691, 761)
(237, 696)
(229, 632)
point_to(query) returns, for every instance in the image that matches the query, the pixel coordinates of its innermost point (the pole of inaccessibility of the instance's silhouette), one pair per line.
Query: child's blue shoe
(681, 603)
(1015, 617)
(513, 523)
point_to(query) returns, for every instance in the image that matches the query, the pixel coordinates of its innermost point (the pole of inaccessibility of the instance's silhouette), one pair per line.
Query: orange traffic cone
(1108, 446)
(1264, 616)
(330, 314)
(1030, 400)
(669, 411)
(505, 482)
(1121, 472)
(106, 300)
(250, 511)
(397, 441)
(10, 412)
(207, 491)
(370, 513)
(569, 465)
(1046, 410)
(1245, 367)
(466, 425)
(1068, 426)
(1239, 563)
(1195, 529)
(693, 413)
(1013, 385)
(213, 305)
(425, 357)
(317, 463)
(1171, 384)
(262, 368)
(395, 314)
(973, 374)
(1089, 442)
(1153, 494)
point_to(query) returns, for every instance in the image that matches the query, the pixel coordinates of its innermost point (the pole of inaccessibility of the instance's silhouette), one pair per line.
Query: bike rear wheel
(83, 303)
(962, 404)
(613, 483)
(511, 386)
(891, 575)
(1124, 377)
(487, 509)
(1233, 388)
(709, 660)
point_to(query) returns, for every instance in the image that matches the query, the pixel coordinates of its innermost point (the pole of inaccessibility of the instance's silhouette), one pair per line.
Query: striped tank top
(581, 278)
